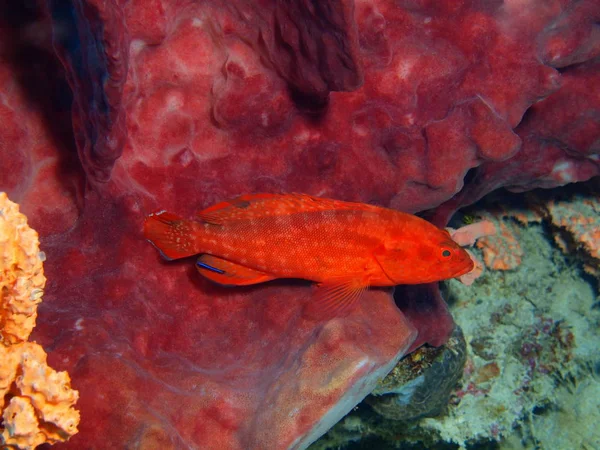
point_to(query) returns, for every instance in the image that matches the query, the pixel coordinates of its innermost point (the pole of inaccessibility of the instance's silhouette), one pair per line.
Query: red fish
(345, 247)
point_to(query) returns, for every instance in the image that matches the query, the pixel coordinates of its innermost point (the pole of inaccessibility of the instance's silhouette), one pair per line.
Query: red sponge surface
(112, 110)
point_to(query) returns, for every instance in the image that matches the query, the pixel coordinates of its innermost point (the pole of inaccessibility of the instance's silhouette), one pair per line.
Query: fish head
(423, 255)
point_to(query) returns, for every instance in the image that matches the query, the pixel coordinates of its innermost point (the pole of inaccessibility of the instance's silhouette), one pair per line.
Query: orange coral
(574, 216)
(502, 251)
(468, 235)
(469, 278)
(21, 274)
(37, 402)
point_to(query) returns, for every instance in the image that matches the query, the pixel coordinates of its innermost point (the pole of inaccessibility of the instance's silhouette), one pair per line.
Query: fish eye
(446, 251)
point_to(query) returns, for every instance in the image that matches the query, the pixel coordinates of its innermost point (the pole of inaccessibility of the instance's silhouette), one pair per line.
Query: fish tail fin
(173, 236)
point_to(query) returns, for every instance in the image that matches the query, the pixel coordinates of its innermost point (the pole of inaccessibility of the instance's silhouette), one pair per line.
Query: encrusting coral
(572, 215)
(576, 220)
(35, 400)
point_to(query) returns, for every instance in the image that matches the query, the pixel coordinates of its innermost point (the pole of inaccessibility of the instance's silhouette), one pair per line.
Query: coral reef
(532, 375)
(469, 235)
(573, 216)
(178, 105)
(36, 401)
(502, 251)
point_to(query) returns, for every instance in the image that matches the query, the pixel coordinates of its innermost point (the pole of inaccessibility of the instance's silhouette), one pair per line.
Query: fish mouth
(469, 265)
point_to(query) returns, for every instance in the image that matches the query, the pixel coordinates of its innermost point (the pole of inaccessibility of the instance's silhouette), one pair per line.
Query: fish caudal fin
(171, 235)
(334, 298)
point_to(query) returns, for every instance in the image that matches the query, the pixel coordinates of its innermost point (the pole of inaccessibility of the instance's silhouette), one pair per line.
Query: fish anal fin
(334, 298)
(225, 272)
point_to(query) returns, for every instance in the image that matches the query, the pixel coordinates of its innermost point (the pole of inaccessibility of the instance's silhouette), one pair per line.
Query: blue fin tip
(207, 267)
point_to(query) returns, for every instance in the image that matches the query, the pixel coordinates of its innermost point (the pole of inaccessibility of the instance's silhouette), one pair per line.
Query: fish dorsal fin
(229, 273)
(250, 206)
(334, 298)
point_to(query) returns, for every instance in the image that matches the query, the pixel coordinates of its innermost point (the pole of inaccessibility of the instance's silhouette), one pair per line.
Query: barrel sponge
(36, 402)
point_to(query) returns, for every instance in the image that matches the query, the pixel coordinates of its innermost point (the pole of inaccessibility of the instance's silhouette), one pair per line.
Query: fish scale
(308, 240)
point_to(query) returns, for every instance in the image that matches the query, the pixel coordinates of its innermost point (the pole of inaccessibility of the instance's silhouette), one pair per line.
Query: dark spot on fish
(242, 204)
(446, 253)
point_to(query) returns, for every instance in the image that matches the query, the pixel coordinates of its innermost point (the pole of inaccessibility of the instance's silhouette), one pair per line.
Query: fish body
(344, 246)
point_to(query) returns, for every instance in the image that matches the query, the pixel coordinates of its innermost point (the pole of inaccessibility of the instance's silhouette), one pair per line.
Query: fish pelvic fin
(334, 298)
(173, 236)
(229, 273)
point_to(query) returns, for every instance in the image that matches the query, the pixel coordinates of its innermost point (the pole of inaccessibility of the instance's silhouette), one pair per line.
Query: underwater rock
(421, 383)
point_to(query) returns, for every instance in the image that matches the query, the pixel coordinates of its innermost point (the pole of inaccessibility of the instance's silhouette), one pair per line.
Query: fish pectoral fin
(334, 298)
(226, 272)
